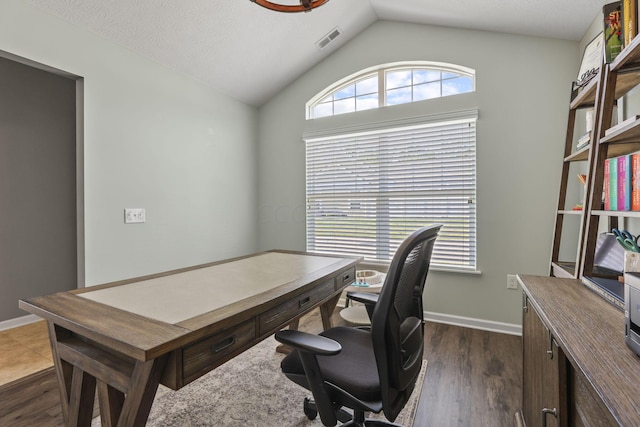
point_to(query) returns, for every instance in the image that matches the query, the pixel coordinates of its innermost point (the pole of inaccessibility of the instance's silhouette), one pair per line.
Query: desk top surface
(181, 296)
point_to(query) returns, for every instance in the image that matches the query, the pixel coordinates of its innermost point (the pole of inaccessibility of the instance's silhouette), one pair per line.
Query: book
(613, 184)
(629, 16)
(583, 141)
(606, 196)
(613, 31)
(635, 182)
(624, 183)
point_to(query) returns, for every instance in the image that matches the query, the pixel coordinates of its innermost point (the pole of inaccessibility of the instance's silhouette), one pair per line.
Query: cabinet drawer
(275, 317)
(204, 354)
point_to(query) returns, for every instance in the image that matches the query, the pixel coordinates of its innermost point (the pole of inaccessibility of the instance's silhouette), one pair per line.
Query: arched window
(391, 84)
(370, 184)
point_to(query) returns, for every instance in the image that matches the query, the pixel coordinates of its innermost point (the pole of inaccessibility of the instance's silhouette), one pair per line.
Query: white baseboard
(469, 322)
(466, 322)
(18, 321)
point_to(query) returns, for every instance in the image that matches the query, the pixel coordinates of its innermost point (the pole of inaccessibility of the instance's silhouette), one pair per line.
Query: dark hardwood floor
(473, 379)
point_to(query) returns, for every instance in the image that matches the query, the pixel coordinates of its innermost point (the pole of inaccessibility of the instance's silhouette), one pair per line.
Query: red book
(635, 182)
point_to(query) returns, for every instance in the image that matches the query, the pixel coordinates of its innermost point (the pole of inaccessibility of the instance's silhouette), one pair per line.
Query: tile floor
(24, 351)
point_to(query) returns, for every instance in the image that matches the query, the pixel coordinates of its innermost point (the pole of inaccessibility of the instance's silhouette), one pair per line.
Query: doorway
(41, 170)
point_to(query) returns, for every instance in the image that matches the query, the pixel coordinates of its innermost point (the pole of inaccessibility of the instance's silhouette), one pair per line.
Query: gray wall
(37, 184)
(153, 139)
(522, 95)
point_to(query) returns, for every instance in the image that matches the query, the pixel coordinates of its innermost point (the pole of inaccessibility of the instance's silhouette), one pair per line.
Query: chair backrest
(397, 327)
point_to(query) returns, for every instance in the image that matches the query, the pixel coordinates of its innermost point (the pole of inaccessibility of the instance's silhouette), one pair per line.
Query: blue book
(613, 184)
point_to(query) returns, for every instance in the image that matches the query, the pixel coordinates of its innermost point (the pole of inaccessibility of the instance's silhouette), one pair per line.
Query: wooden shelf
(630, 132)
(625, 214)
(564, 269)
(570, 212)
(622, 149)
(586, 97)
(627, 80)
(629, 56)
(580, 155)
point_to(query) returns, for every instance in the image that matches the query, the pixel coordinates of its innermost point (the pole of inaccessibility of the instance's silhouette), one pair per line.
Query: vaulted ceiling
(250, 53)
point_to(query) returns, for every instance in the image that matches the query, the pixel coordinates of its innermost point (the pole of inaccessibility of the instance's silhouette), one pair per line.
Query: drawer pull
(546, 411)
(303, 302)
(226, 343)
(346, 277)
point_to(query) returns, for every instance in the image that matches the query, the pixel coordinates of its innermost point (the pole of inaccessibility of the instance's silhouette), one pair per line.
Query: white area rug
(249, 390)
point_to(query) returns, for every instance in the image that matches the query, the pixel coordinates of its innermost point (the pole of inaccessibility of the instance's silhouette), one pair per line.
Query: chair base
(357, 419)
(368, 422)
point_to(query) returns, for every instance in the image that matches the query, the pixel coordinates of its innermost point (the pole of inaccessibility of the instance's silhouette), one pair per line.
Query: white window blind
(367, 191)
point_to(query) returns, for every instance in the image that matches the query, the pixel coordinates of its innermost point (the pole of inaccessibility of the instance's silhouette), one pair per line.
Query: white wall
(153, 139)
(522, 95)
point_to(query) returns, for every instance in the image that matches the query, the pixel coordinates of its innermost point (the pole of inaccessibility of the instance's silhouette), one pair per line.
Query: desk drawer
(288, 310)
(204, 354)
(346, 278)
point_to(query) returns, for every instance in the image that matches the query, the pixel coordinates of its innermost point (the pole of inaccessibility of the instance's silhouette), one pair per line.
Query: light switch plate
(134, 215)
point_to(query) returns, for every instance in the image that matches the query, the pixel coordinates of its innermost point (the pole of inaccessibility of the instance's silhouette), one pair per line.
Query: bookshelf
(566, 255)
(603, 92)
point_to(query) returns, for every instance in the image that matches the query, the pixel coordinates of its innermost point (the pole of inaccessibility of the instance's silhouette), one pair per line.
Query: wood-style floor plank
(474, 378)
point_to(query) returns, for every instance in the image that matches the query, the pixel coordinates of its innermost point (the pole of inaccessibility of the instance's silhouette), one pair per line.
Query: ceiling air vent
(333, 34)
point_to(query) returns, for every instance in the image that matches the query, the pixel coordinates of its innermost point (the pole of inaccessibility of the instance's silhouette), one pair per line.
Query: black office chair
(368, 370)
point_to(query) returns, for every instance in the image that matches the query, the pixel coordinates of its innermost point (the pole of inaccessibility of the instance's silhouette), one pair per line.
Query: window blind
(367, 191)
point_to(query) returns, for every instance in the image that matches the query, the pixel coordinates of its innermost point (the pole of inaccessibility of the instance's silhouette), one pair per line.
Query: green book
(613, 30)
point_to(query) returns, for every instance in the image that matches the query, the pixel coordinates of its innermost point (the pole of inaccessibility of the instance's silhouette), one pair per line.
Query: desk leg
(285, 349)
(326, 311)
(111, 402)
(64, 371)
(143, 386)
(126, 387)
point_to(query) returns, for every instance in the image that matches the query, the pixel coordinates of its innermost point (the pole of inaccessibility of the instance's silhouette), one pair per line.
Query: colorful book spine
(613, 184)
(606, 194)
(635, 182)
(629, 16)
(613, 30)
(624, 183)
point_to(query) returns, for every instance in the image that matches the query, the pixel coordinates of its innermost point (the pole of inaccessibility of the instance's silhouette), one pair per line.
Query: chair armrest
(315, 344)
(363, 297)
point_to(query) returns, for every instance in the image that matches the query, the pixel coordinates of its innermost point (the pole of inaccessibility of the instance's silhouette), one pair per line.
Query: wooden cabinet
(590, 377)
(544, 386)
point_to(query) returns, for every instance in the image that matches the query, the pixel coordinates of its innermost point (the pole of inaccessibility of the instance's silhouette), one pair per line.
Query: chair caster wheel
(309, 410)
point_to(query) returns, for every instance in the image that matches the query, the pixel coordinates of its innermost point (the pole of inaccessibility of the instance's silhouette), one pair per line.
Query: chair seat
(353, 369)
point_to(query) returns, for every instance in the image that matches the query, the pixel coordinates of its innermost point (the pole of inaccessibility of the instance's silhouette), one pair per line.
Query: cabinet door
(543, 369)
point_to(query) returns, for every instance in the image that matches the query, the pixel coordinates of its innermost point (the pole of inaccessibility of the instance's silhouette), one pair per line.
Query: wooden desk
(125, 338)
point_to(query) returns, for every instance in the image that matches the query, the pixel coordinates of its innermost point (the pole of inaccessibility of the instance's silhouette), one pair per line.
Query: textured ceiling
(251, 53)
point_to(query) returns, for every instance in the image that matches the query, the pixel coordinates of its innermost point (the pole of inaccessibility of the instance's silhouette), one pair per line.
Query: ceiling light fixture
(304, 6)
